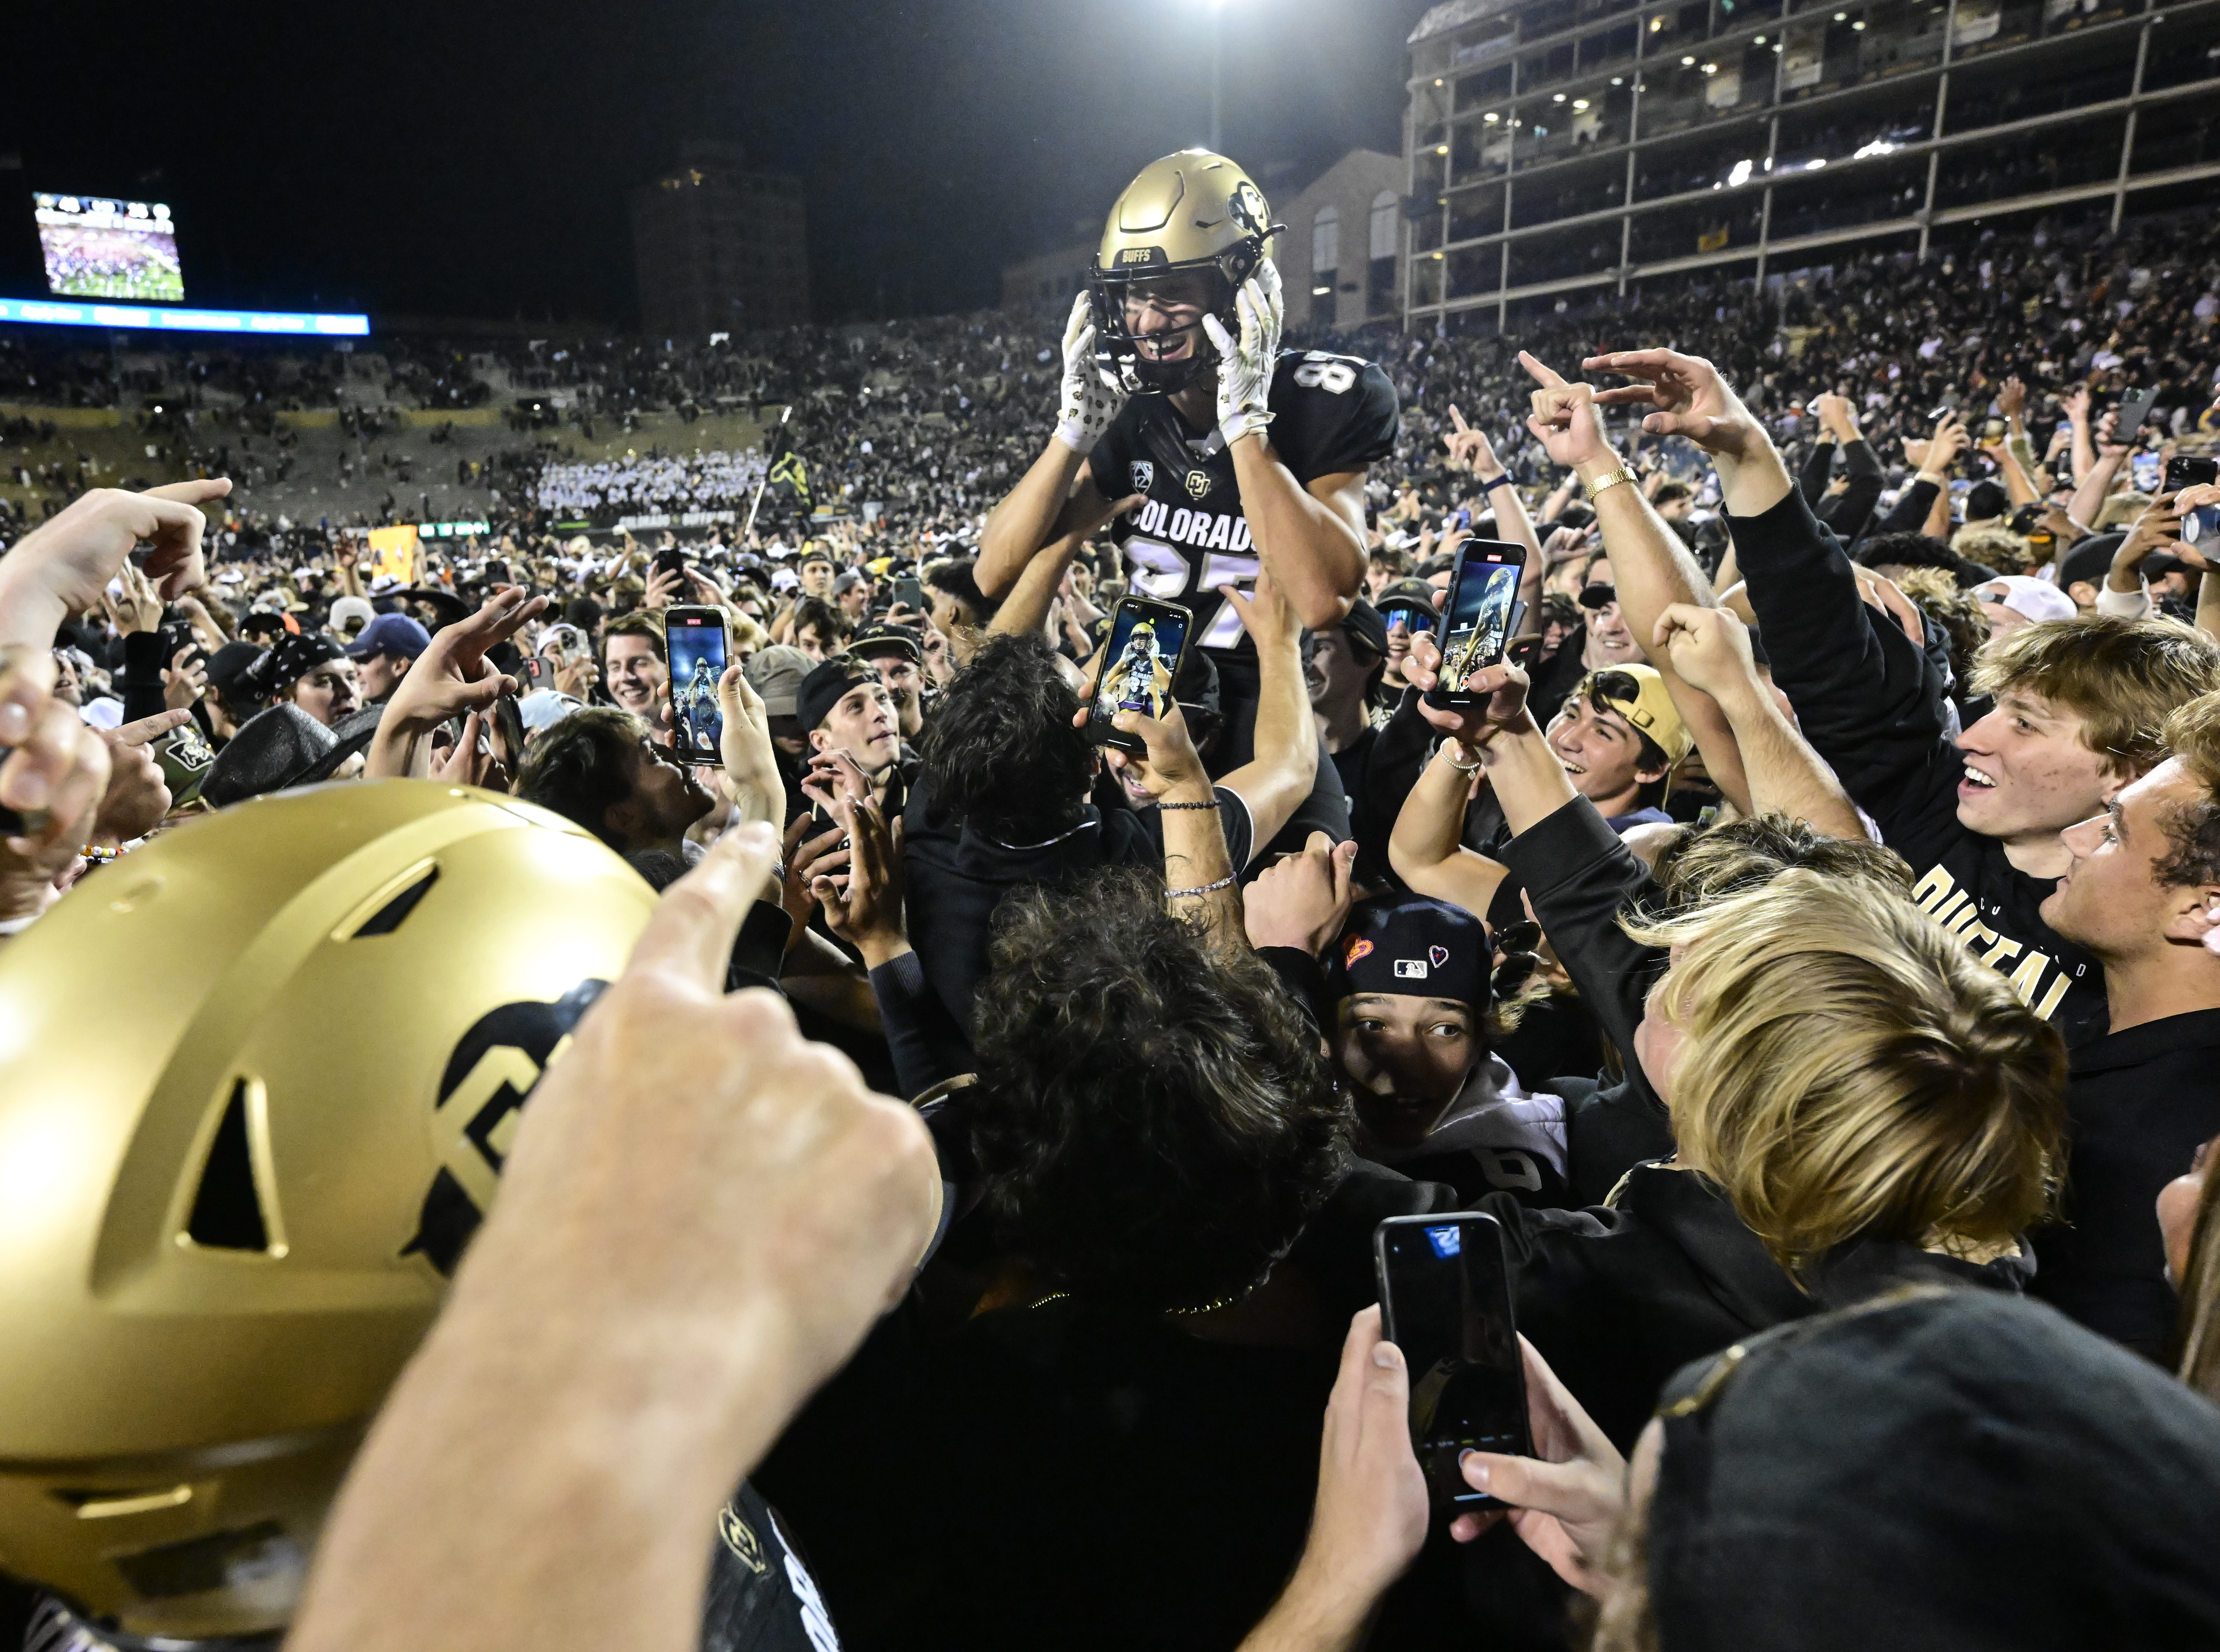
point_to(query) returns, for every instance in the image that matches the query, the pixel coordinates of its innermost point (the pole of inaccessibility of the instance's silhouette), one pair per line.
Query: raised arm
(1058, 496)
(1426, 849)
(1309, 538)
(2097, 485)
(1284, 766)
(1709, 647)
(1471, 449)
(1650, 566)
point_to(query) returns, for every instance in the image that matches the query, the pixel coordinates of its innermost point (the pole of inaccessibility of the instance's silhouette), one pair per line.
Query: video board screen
(98, 248)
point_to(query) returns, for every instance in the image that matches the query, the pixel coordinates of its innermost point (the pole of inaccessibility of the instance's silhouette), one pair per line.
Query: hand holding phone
(1446, 1302)
(1140, 662)
(699, 646)
(1478, 618)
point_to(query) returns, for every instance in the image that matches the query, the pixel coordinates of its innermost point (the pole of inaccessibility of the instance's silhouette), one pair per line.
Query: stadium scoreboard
(96, 247)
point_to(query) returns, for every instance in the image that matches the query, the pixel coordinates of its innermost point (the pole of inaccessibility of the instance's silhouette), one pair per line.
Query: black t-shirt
(1330, 414)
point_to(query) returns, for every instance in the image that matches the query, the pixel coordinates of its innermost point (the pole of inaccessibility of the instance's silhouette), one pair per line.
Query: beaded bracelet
(1225, 882)
(1212, 804)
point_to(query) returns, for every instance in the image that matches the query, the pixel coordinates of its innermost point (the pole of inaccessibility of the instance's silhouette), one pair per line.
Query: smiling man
(633, 667)
(2141, 896)
(1618, 736)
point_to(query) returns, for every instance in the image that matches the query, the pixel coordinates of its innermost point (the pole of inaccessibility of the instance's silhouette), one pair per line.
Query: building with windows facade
(1341, 261)
(1554, 147)
(718, 248)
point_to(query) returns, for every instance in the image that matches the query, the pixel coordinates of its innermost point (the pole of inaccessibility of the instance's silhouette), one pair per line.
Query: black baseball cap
(1412, 944)
(876, 641)
(821, 690)
(1364, 625)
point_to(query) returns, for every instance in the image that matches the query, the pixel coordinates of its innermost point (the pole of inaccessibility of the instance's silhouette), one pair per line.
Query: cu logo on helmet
(489, 1078)
(1248, 208)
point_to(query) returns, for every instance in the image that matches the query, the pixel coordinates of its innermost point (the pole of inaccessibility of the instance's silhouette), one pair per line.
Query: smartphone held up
(699, 645)
(1480, 616)
(1147, 645)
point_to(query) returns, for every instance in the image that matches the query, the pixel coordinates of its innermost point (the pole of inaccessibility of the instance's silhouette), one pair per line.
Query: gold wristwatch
(1608, 479)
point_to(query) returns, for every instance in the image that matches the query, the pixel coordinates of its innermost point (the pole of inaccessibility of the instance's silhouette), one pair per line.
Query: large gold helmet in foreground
(256, 1085)
(1191, 211)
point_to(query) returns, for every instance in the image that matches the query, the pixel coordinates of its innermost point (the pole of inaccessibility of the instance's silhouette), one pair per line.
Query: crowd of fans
(1803, 947)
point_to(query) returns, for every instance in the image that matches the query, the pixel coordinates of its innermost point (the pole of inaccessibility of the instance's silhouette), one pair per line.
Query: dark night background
(474, 159)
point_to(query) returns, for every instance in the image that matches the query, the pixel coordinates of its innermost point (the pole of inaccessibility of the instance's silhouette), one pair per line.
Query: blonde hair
(2123, 678)
(1850, 1071)
(1994, 545)
(2120, 511)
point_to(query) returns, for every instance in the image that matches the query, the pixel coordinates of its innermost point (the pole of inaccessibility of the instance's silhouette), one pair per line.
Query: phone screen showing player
(698, 649)
(1480, 615)
(1148, 640)
(1446, 1302)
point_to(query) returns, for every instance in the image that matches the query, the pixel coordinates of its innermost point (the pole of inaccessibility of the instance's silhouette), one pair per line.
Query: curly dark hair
(831, 626)
(959, 577)
(583, 766)
(1001, 751)
(1701, 864)
(1155, 1120)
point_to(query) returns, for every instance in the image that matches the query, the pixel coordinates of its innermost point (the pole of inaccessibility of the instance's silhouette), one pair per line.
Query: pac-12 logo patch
(494, 1069)
(1144, 473)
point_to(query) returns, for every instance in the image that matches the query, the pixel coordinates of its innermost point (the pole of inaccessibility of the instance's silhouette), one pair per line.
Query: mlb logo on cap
(1411, 968)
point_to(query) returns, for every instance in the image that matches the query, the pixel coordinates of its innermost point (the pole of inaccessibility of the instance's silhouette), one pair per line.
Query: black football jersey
(1330, 414)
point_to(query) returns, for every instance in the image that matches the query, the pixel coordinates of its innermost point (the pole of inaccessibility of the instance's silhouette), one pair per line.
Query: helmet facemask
(1123, 356)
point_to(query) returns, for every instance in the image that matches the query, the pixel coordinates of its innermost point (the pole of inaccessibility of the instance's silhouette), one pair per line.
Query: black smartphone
(1446, 1302)
(909, 594)
(2135, 407)
(1479, 617)
(1146, 647)
(2190, 470)
(670, 560)
(698, 645)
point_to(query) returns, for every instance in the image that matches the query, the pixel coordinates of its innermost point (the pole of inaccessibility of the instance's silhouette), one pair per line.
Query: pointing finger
(1540, 374)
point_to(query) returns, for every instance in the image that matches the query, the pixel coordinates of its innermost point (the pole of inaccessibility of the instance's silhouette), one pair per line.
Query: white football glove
(1244, 365)
(1090, 402)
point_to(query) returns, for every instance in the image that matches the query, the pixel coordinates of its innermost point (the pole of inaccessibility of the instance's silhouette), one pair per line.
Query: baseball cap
(544, 707)
(1649, 707)
(2036, 599)
(391, 633)
(880, 639)
(1364, 625)
(821, 690)
(1412, 945)
(776, 674)
(847, 581)
(2088, 562)
(351, 608)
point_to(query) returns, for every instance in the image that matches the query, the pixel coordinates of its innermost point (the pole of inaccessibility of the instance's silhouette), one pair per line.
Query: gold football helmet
(1193, 210)
(256, 1085)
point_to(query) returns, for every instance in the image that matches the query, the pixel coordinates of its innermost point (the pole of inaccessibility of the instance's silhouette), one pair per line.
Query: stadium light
(1687, 62)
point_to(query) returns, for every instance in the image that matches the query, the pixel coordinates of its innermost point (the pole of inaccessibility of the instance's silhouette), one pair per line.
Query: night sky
(474, 159)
